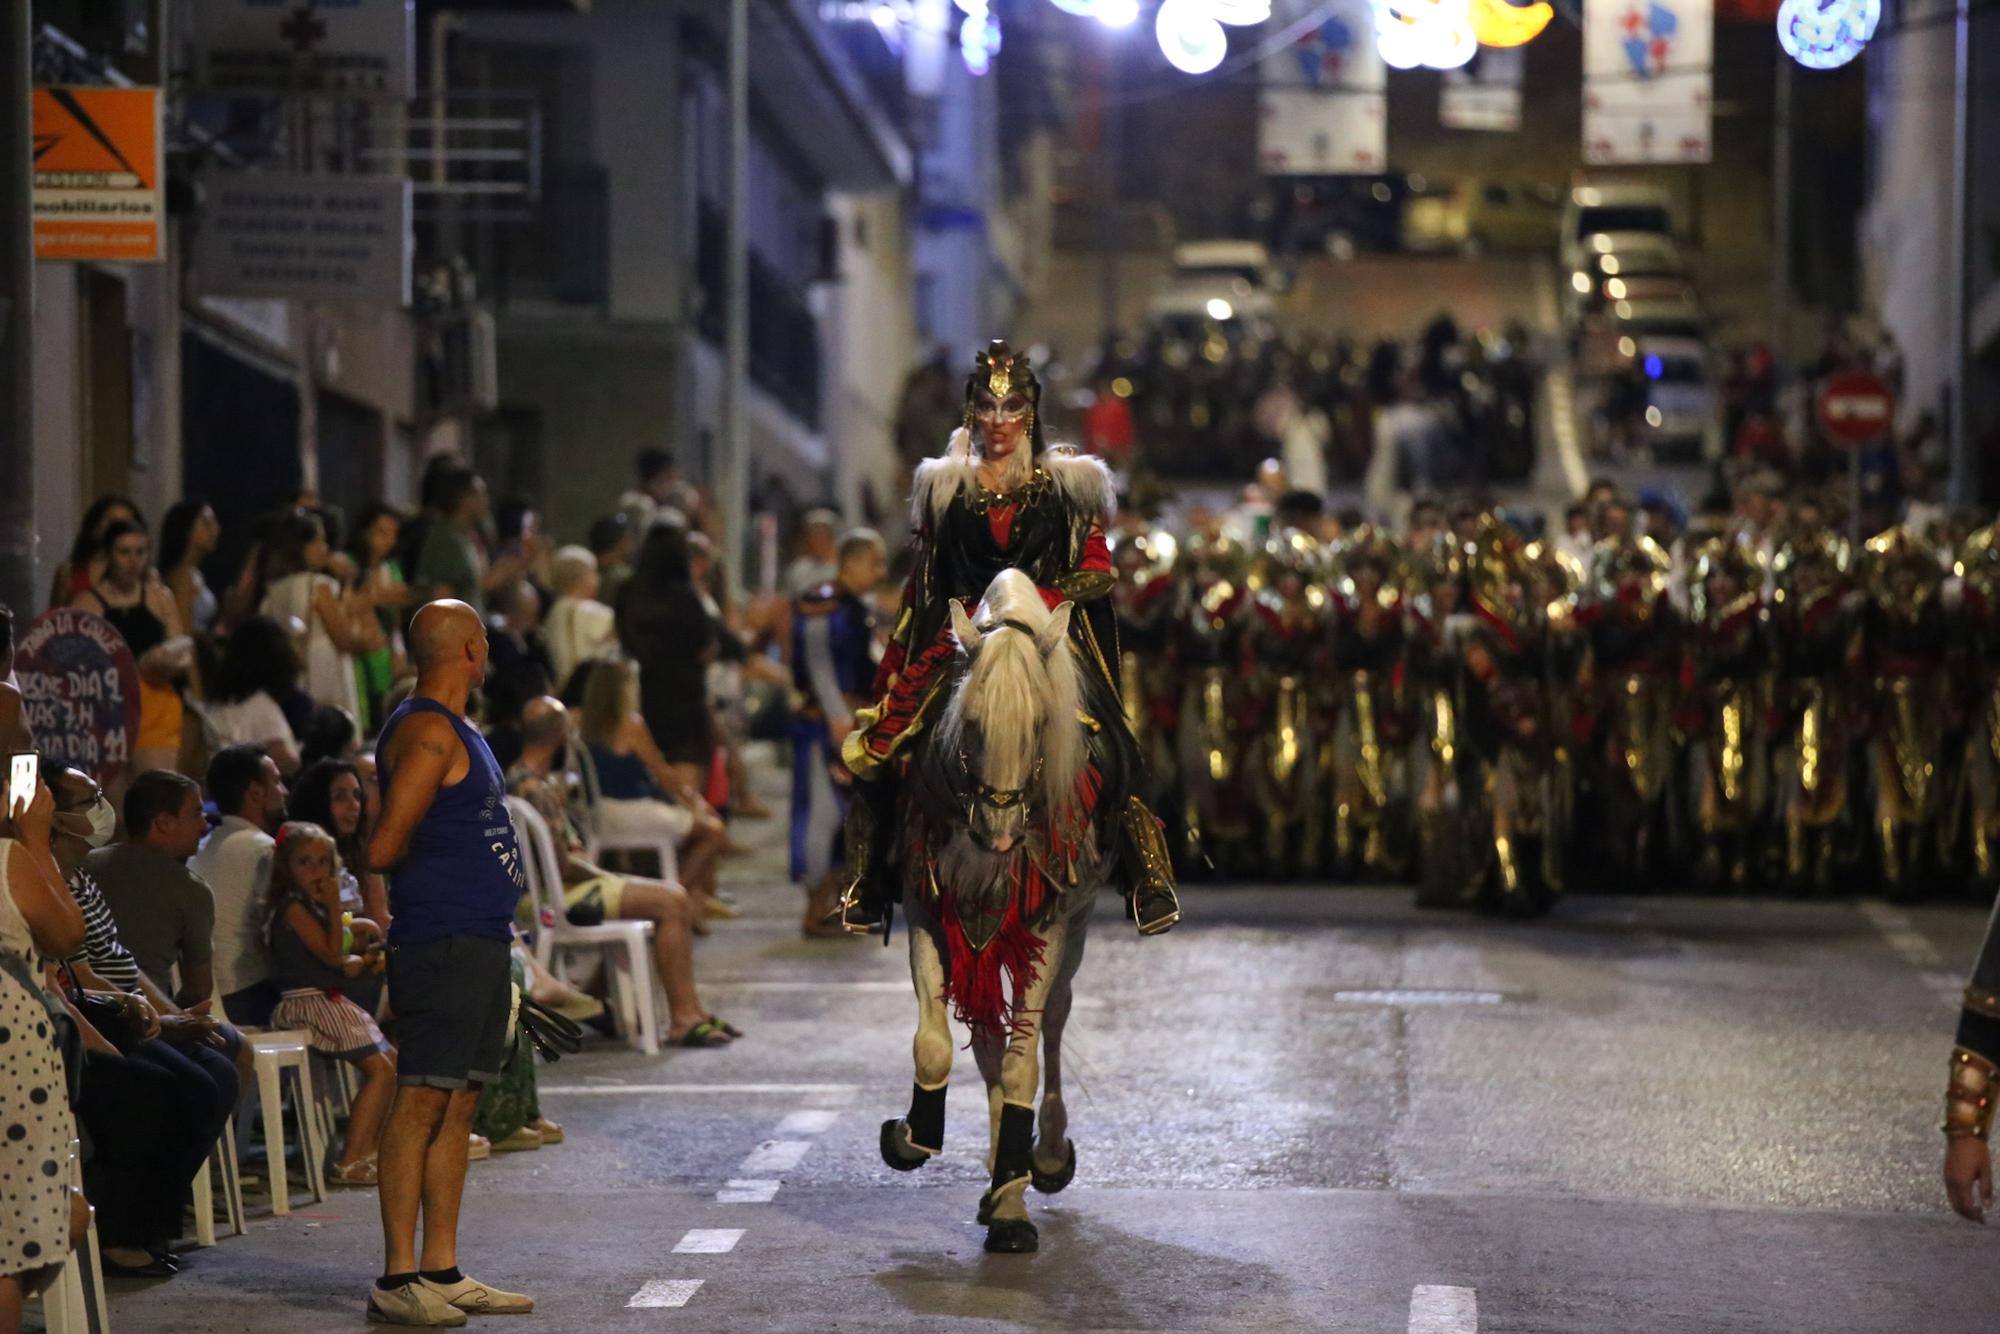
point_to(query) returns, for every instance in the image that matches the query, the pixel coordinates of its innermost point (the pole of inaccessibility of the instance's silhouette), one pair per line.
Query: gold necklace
(984, 498)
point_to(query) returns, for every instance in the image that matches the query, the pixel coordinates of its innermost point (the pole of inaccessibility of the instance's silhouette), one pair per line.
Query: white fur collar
(1082, 480)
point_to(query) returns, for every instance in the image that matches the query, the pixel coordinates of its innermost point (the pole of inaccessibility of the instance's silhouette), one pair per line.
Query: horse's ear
(1056, 633)
(962, 627)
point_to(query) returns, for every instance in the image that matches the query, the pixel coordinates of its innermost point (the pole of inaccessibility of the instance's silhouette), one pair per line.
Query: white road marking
(1436, 996)
(746, 1192)
(664, 1292)
(1914, 949)
(709, 1241)
(1441, 1310)
(757, 984)
(775, 1155)
(600, 1089)
(812, 1121)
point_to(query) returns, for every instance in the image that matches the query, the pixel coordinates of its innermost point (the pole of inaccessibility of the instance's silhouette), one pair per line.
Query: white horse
(1001, 860)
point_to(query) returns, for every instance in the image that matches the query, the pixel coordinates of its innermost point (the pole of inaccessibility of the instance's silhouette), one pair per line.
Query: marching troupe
(1496, 718)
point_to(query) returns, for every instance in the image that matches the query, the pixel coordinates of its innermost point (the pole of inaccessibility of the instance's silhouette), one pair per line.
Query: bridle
(1001, 798)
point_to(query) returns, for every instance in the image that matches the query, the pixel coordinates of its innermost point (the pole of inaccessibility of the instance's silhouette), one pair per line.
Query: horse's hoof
(892, 1155)
(1012, 1236)
(986, 1202)
(1048, 1183)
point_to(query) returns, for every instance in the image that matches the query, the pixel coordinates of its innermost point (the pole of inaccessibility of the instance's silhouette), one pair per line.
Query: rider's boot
(1155, 905)
(864, 904)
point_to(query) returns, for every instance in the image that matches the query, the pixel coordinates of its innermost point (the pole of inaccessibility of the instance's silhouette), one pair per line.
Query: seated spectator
(313, 961)
(639, 793)
(165, 912)
(578, 627)
(329, 794)
(509, 1114)
(517, 667)
(255, 698)
(44, 1219)
(235, 861)
(157, 1084)
(331, 734)
(591, 894)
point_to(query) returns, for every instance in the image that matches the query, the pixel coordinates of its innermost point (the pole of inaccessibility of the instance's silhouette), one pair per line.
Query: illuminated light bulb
(1498, 23)
(1626, 347)
(1433, 34)
(1609, 264)
(1218, 309)
(1826, 34)
(1615, 289)
(1653, 417)
(1117, 13)
(1190, 38)
(1083, 9)
(1580, 281)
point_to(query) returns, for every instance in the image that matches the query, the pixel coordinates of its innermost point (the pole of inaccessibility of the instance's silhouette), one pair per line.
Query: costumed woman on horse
(996, 780)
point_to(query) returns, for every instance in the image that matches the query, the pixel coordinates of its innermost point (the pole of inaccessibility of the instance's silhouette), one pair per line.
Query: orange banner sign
(99, 174)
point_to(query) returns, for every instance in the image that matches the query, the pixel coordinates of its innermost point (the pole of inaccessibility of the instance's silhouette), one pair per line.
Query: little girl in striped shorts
(312, 957)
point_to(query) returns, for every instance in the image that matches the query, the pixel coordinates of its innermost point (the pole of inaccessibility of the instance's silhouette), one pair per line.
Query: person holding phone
(41, 1219)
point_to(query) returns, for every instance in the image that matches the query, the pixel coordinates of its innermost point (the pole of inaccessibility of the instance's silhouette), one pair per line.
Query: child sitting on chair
(312, 959)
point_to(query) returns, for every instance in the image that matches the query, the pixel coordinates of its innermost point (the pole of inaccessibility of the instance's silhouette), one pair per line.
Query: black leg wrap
(1013, 1156)
(926, 1118)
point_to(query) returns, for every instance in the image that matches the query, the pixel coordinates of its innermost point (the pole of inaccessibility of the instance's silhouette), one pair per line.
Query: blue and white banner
(1648, 68)
(1322, 105)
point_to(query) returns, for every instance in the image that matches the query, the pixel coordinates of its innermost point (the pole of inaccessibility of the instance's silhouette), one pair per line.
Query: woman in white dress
(330, 624)
(40, 1217)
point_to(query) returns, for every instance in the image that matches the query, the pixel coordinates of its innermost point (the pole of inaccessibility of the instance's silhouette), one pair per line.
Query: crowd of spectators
(1454, 407)
(221, 886)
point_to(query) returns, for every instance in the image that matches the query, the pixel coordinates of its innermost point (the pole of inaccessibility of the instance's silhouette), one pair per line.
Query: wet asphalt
(1304, 1109)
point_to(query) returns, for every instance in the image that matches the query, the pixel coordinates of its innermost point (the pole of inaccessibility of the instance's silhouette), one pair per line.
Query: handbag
(108, 1016)
(553, 1035)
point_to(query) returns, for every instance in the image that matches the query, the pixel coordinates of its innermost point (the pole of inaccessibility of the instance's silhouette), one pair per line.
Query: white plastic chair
(74, 1303)
(221, 1162)
(625, 946)
(275, 1053)
(597, 841)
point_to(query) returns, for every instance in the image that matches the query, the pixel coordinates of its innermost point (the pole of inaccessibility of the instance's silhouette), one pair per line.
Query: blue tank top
(462, 875)
(624, 777)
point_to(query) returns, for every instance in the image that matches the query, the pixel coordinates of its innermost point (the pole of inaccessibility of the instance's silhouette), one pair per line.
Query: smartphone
(23, 770)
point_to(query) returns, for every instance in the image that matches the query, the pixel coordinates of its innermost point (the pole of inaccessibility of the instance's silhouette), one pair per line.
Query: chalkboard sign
(80, 690)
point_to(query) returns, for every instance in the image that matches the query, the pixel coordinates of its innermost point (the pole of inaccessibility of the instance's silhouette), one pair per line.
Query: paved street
(1304, 1109)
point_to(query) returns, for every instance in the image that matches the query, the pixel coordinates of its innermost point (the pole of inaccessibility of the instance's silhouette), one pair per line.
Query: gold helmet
(1289, 552)
(1145, 555)
(1901, 575)
(1978, 562)
(1620, 562)
(1725, 557)
(1820, 553)
(1220, 557)
(1367, 546)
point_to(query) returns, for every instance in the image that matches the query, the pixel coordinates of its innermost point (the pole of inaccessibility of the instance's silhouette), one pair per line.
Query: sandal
(360, 1172)
(707, 1033)
(727, 1027)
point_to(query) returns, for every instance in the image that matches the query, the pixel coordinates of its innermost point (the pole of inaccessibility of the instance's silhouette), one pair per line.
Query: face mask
(103, 822)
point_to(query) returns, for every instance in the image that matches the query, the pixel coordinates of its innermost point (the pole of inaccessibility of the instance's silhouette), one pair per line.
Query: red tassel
(972, 984)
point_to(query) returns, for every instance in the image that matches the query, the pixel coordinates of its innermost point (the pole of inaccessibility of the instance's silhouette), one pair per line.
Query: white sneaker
(469, 1294)
(417, 1303)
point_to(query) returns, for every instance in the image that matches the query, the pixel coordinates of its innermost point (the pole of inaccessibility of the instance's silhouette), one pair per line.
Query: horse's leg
(1055, 1157)
(907, 1142)
(1020, 1078)
(986, 1052)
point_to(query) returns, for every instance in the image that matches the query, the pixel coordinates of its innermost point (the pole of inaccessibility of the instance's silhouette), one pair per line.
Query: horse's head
(1012, 724)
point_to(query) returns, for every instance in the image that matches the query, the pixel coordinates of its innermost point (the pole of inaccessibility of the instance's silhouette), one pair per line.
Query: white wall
(1906, 230)
(871, 337)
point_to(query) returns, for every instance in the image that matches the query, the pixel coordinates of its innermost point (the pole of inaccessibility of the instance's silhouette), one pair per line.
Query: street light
(1190, 37)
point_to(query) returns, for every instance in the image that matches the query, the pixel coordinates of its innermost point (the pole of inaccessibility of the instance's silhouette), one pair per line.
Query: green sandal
(707, 1033)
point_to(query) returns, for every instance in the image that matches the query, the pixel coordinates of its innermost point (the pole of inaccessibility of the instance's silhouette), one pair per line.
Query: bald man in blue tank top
(455, 876)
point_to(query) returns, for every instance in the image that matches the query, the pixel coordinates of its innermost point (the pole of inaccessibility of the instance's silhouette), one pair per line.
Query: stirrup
(1161, 924)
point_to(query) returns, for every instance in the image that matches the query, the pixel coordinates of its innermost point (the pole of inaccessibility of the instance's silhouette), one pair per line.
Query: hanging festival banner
(1485, 94)
(1322, 109)
(1647, 76)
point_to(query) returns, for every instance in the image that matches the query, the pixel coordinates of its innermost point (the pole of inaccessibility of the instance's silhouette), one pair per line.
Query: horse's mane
(1026, 705)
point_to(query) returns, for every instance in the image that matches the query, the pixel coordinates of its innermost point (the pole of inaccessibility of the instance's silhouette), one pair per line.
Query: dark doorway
(240, 434)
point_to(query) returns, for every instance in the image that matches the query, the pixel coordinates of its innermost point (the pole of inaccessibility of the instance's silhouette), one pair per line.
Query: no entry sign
(1855, 408)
